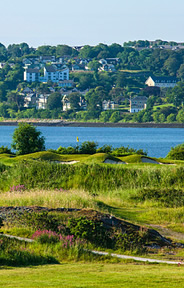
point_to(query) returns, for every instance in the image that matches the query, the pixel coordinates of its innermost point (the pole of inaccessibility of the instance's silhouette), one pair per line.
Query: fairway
(79, 275)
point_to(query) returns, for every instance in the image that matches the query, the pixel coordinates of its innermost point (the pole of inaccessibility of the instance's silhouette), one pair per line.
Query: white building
(138, 103)
(162, 82)
(108, 105)
(41, 102)
(32, 75)
(30, 100)
(51, 73)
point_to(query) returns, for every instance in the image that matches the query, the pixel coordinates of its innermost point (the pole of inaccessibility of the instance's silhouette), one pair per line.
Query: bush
(88, 147)
(5, 150)
(3, 167)
(121, 151)
(1, 222)
(168, 197)
(176, 153)
(92, 231)
(104, 149)
(41, 220)
(131, 240)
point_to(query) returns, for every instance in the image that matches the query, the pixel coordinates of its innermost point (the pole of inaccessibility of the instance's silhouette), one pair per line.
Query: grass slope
(94, 276)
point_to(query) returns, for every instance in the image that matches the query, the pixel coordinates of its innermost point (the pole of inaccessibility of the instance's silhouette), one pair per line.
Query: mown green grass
(94, 275)
(45, 155)
(162, 106)
(84, 158)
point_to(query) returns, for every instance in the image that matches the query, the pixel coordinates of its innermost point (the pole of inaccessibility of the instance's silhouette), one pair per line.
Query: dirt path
(168, 233)
(110, 254)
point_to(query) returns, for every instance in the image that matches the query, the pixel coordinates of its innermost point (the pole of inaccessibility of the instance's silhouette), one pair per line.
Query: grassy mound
(100, 158)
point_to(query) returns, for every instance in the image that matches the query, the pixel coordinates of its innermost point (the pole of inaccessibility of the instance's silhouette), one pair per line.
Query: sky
(81, 22)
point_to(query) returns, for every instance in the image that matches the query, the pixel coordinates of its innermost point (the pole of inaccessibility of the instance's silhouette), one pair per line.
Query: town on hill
(141, 81)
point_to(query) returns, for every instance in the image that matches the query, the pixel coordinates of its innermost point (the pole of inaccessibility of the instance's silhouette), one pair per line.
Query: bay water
(156, 141)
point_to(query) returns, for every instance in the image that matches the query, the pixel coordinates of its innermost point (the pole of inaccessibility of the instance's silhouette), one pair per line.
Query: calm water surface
(156, 141)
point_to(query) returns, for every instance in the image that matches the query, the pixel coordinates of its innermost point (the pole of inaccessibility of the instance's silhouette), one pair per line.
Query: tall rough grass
(94, 178)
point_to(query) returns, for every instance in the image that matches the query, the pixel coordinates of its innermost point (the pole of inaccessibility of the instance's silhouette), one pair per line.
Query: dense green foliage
(26, 139)
(132, 67)
(177, 152)
(1, 222)
(5, 150)
(91, 147)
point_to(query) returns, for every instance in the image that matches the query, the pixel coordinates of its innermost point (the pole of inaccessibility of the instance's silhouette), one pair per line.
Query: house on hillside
(66, 83)
(2, 64)
(138, 103)
(50, 73)
(30, 100)
(107, 67)
(31, 75)
(41, 101)
(162, 82)
(47, 59)
(108, 105)
(66, 103)
(26, 62)
(113, 61)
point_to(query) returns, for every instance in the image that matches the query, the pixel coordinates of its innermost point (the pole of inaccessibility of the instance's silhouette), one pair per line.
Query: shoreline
(94, 124)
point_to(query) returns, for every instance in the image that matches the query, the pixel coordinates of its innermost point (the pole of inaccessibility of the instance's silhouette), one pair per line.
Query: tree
(181, 72)
(115, 117)
(65, 50)
(94, 65)
(180, 116)
(15, 97)
(74, 99)
(171, 118)
(54, 101)
(176, 153)
(26, 139)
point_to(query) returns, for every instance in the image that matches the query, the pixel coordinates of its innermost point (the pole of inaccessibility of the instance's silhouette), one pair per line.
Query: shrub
(92, 231)
(19, 188)
(50, 237)
(88, 147)
(2, 167)
(176, 153)
(168, 197)
(1, 222)
(5, 150)
(104, 149)
(46, 236)
(67, 150)
(131, 240)
(121, 151)
(41, 220)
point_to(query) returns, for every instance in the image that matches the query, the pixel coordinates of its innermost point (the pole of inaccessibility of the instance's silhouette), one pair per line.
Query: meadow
(146, 194)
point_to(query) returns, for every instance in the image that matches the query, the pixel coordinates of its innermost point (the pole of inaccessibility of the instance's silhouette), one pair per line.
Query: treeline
(132, 69)
(155, 60)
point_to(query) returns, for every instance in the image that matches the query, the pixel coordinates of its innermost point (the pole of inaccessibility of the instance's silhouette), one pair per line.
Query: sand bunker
(110, 161)
(148, 160)
(67, 162)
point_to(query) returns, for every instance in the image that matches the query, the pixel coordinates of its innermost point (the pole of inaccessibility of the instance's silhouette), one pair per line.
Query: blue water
(156, 141)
